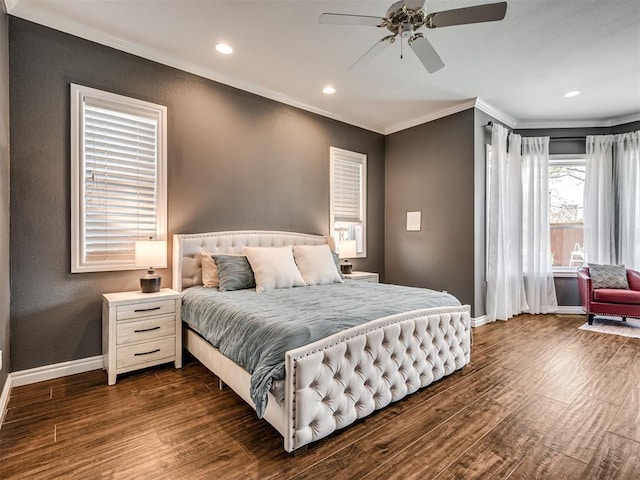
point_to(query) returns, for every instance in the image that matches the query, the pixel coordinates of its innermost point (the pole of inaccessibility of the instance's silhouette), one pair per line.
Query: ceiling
(517, 69)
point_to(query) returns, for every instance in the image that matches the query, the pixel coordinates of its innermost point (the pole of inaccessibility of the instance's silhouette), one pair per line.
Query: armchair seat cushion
(614, 295)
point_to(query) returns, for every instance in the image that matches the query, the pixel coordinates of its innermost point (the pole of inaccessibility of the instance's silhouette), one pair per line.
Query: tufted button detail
(352, 376)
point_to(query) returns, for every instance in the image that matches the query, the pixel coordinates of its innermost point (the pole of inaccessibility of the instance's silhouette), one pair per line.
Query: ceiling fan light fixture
(224, 48)
(572, 93)
(328, 90)
(405, 17)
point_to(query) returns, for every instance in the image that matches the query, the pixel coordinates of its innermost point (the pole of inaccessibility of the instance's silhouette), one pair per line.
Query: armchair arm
(633, 277)
(584, 287)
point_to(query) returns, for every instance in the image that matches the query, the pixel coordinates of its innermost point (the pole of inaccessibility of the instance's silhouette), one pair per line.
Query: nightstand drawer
(131, 355)
(141, 330)
(362, 277)
(145, 309)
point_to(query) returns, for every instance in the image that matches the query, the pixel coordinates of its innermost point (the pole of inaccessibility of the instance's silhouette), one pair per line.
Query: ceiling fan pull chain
(401, 51)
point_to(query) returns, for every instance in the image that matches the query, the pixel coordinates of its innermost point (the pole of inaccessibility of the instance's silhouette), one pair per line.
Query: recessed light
(572, 93)
(328, 90)
(224, 49)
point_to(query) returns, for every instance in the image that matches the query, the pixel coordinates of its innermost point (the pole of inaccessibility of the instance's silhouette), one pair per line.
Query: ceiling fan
(405, 17)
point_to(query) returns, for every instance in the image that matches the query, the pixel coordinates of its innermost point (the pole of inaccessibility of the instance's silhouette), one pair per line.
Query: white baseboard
(570, 310)
(4, 399)
(48, 372)
(562, 310)
(481, 320)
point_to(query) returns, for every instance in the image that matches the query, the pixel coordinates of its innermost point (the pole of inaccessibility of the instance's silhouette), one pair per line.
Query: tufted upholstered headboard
(187, 247)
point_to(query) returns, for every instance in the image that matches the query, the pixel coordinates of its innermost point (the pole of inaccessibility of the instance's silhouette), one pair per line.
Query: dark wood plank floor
(540, 399)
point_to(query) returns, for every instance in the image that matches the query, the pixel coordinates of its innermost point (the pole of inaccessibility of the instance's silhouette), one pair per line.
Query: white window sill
(569, 272)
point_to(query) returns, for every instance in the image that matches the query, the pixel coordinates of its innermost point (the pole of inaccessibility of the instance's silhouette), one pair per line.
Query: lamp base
(346, 267)
(150, 283)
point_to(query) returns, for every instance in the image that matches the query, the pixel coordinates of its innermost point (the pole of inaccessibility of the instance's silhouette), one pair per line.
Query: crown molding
(499, 115)
(9, 5)
(86, 32)
(608, 122)
(64, 24)
(635, 117)
(458, 107)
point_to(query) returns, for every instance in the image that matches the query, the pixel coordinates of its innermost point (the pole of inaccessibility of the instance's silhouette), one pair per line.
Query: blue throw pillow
(234, 273)
(336, 260)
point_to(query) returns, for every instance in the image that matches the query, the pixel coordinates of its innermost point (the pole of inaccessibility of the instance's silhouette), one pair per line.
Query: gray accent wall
(430, 168)
(235, 161)
(626, 128)
(4, 195)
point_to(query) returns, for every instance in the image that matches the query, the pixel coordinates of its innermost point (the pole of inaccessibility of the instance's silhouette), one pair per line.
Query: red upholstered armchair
(609, 301)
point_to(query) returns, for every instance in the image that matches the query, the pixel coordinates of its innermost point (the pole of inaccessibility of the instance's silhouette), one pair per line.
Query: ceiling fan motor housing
(402, 20)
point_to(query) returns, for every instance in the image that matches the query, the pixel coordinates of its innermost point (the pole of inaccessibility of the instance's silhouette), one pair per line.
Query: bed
(335, 380)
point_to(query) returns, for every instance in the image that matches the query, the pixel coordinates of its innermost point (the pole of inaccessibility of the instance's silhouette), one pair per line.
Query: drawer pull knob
(146, 309)
(146, 353)
(147, 329)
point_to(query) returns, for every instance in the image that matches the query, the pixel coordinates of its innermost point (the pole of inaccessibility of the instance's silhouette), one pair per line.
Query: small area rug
(630, 328)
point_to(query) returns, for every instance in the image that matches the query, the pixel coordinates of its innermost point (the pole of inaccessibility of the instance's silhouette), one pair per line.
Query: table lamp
(150, 253)
(346, 250)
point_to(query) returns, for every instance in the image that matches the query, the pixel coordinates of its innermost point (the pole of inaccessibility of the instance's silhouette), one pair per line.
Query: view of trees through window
(566, 211)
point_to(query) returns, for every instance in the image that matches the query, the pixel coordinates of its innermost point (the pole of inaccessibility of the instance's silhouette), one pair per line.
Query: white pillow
(273, 268)
(316, 264)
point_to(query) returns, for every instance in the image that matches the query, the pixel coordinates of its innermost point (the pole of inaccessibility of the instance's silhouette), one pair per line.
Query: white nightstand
(362, 276)
(140, 330)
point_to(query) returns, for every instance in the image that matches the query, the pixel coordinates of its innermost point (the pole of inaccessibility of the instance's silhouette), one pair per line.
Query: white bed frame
(331, 383)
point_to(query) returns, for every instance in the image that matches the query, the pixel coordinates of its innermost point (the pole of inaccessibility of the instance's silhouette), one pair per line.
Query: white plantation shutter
(348, 197)
(347, 189)
(120, 178)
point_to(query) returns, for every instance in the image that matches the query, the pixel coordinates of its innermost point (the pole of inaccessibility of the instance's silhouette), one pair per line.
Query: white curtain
(599, 209)
(539, 285)
(627, 163)
(505, 287)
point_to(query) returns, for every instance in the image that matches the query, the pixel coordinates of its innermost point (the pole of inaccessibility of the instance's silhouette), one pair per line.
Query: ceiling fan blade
(344, 19)
(461, 16)
(426, 53)
(372, 53)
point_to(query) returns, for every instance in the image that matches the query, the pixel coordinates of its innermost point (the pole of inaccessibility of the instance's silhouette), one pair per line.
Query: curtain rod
(551, 139)
(567, 138)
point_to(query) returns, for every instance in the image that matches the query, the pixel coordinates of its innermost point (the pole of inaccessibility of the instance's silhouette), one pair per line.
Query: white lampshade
(151, 253)
(347, 249)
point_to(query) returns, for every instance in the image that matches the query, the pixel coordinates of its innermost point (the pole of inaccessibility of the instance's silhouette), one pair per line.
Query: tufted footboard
(335, 381)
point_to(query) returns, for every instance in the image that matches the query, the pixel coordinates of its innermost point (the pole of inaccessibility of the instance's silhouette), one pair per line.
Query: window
(348, 198)
(566, 211)
(118, 178)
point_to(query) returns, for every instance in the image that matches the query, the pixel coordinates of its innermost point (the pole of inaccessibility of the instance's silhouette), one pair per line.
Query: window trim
(78, 94)
(362, 159)
(566, 159)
